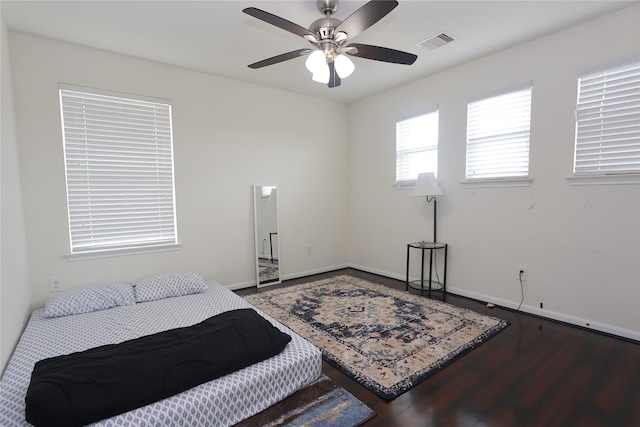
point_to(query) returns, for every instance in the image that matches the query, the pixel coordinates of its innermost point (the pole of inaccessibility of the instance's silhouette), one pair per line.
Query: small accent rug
(386, 339)
(323, 403)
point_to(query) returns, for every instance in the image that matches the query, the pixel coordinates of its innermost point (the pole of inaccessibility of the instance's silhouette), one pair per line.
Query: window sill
(496, 182)
(122, 252)
(617, 179)
(404, 185)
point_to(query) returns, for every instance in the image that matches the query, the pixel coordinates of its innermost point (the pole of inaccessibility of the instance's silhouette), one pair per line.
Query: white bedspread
(222, 402)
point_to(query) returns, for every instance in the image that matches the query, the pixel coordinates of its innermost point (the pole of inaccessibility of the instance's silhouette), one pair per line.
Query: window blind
(608, 121)
(266, 190)
(498, 131)
(416, 146)
(119, 170)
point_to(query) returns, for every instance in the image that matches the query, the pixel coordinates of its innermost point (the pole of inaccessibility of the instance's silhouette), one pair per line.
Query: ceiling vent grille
(436, 41)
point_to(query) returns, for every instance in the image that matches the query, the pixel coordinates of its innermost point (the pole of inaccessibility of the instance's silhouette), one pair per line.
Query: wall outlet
(54, 284)
(308, 249)
(523, 273)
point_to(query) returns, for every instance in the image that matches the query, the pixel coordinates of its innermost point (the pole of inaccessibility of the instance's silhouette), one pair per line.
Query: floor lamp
(427, 185)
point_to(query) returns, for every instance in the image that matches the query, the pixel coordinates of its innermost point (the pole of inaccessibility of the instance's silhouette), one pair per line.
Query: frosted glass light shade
(316, 62)
(344, 66)
(322, 75)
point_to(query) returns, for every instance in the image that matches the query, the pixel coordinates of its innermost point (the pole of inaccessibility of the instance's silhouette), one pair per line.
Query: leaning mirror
(265, 208)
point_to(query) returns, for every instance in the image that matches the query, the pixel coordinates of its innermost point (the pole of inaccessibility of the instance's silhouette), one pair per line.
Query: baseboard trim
(251, 284)
(378, 272)
(312, 272)
(242, 285)
(546, 314)
(552, 315)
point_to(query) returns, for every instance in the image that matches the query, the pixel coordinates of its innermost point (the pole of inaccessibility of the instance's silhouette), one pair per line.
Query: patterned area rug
(323, 403)
(387, 340)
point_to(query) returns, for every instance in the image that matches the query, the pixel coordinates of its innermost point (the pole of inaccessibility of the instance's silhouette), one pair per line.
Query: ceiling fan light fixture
(340, 37)
(316, 62)
(330, 39)
(311, 38)
(344, 66)
(322, 76)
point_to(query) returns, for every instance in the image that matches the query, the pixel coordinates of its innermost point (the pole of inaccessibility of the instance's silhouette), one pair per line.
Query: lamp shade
(322, 75)
(426, 185)
(344, 66)
(316, 62)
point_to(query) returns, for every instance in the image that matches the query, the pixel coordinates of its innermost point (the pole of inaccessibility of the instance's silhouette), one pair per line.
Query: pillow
(90, 298)
(167, 285)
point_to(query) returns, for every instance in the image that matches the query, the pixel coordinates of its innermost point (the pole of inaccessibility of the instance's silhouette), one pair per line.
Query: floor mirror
(265, 209)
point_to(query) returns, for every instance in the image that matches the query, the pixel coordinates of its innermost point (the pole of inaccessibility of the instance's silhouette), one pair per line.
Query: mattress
(222, 402)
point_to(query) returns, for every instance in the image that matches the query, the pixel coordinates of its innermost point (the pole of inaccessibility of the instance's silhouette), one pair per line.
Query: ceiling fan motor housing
(324, 27)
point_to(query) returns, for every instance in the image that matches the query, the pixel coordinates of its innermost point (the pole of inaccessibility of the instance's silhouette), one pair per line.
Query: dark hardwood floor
(536, 372)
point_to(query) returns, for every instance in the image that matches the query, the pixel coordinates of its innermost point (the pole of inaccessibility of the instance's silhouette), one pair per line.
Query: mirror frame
(257, 195)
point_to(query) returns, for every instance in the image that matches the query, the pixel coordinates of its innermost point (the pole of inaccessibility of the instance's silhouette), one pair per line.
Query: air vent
(436, 41)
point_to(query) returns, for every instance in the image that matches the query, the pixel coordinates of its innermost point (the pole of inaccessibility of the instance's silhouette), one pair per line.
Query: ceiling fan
(328, 61)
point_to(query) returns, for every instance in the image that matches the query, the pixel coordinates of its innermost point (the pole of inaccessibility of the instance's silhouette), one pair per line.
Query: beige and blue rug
(321, 404)
(386, 339)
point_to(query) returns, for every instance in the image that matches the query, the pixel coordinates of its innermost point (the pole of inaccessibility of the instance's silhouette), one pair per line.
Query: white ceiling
(216, 37)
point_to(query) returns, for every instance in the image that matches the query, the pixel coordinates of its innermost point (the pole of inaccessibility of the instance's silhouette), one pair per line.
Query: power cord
(521, 290)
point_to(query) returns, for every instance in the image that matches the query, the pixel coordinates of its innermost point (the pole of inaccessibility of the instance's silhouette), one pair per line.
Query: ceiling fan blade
(289, 26)
(280, 58)
(366, 16)
(334, 78)
(384, 54)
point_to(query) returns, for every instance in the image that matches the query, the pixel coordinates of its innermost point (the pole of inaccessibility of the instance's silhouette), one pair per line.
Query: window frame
(97, 152)
(590, 79)
(506, 180)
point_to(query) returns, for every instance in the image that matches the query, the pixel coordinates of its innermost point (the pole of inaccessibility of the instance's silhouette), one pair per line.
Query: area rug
(321, 404)
(386, 339)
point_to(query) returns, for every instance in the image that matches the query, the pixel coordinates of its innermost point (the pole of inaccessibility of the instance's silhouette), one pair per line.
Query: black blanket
(84, 387)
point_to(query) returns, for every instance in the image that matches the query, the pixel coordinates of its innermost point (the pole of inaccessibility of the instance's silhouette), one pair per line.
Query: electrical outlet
(54, 284)
(308, 249)
(523, 273)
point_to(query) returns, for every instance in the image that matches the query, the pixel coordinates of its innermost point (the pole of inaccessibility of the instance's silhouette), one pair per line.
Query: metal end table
(432, 286)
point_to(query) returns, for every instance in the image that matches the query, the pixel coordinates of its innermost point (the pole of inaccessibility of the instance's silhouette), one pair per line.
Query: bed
(221, 402)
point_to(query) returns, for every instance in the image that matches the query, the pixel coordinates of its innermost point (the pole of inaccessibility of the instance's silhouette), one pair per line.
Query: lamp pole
(435, 209)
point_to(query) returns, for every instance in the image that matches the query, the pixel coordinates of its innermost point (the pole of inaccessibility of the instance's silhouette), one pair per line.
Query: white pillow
(167, 285)
(90, 298)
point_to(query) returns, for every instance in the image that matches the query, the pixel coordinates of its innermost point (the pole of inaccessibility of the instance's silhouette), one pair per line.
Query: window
(608, 121)
(119, 170)
(267, 190)
(498, 130)
(416, 146)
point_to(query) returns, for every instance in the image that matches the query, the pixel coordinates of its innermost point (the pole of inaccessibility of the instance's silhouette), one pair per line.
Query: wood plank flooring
(536, 372)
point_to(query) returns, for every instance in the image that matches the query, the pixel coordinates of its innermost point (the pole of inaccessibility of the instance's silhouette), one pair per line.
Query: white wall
(15, 292)
(581, 244)
(227, 136)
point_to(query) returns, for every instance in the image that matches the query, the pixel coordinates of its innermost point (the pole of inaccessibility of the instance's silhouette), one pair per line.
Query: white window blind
(119, 170)
(416, 146)
(608, 121)
(498, 131)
